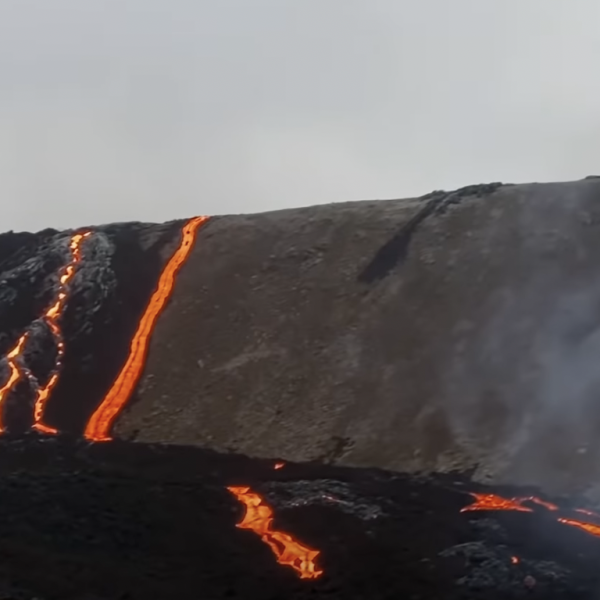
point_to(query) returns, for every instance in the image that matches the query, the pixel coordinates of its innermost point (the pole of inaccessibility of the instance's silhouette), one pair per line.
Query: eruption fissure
(52, 319)
(495, 502)
(259, 519)
(101, 421)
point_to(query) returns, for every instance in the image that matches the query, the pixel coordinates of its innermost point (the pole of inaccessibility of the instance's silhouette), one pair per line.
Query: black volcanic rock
(123, 520)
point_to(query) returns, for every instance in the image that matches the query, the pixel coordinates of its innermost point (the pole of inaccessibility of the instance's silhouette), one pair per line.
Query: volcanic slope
(456, 331)
(459, 330)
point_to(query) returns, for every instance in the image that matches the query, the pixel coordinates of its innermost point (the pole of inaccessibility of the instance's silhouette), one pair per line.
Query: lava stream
(100, 423)
(495, 502)
(588, 527)
(52, 316)
(15, 374)
(287, 551)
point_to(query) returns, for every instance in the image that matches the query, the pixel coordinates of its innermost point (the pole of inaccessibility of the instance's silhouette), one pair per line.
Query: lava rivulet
(100, 423)
(588, 527)
(495, 502)
(15, 374)
(52, 316)
(287, 551)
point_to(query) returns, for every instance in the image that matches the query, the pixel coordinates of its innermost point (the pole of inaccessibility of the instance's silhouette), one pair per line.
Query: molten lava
(51, 316)
(544, 503)
(588, 527)
(100, 423)
(494, 502)
(15, 374)
(259, 518)
(278, 465)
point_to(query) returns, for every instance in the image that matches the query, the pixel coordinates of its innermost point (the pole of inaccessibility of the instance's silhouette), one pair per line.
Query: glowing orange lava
(15, 374)
(259, 518)
(588, 527)
(279, 465)
(52, 316)
(494, 502)
(100, 423)
(541, 502)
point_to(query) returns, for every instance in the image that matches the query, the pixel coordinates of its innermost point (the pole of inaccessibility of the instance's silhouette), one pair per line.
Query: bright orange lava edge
(51, 317)
(495, 502)
(259, 519)
(101, 421)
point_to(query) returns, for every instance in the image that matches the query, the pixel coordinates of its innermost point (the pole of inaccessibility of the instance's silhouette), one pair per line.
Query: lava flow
(259, 518)
(14, 376)
(51, 317)
(100, 423)
(588, 527)
(495, 502)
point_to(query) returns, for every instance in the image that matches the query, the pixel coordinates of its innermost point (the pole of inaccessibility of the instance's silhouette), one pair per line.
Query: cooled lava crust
(132, 521)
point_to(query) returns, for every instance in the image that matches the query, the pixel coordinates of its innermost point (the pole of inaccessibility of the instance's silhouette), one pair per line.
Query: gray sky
(156, 109)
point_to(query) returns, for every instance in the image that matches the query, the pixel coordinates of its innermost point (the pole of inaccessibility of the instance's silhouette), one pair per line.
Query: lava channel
(287, 551)
(15, 374)
(495, 502)
(101, 421)
(51, 317)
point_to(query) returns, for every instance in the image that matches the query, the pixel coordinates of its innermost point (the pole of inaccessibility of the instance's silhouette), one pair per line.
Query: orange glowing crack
(494, 502)
(15, 375)
(287, 551)
(100, 423)
(588, 527)
(52, 316)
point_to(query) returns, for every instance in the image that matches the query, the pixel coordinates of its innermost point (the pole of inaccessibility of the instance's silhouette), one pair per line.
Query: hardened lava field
(120, 520)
